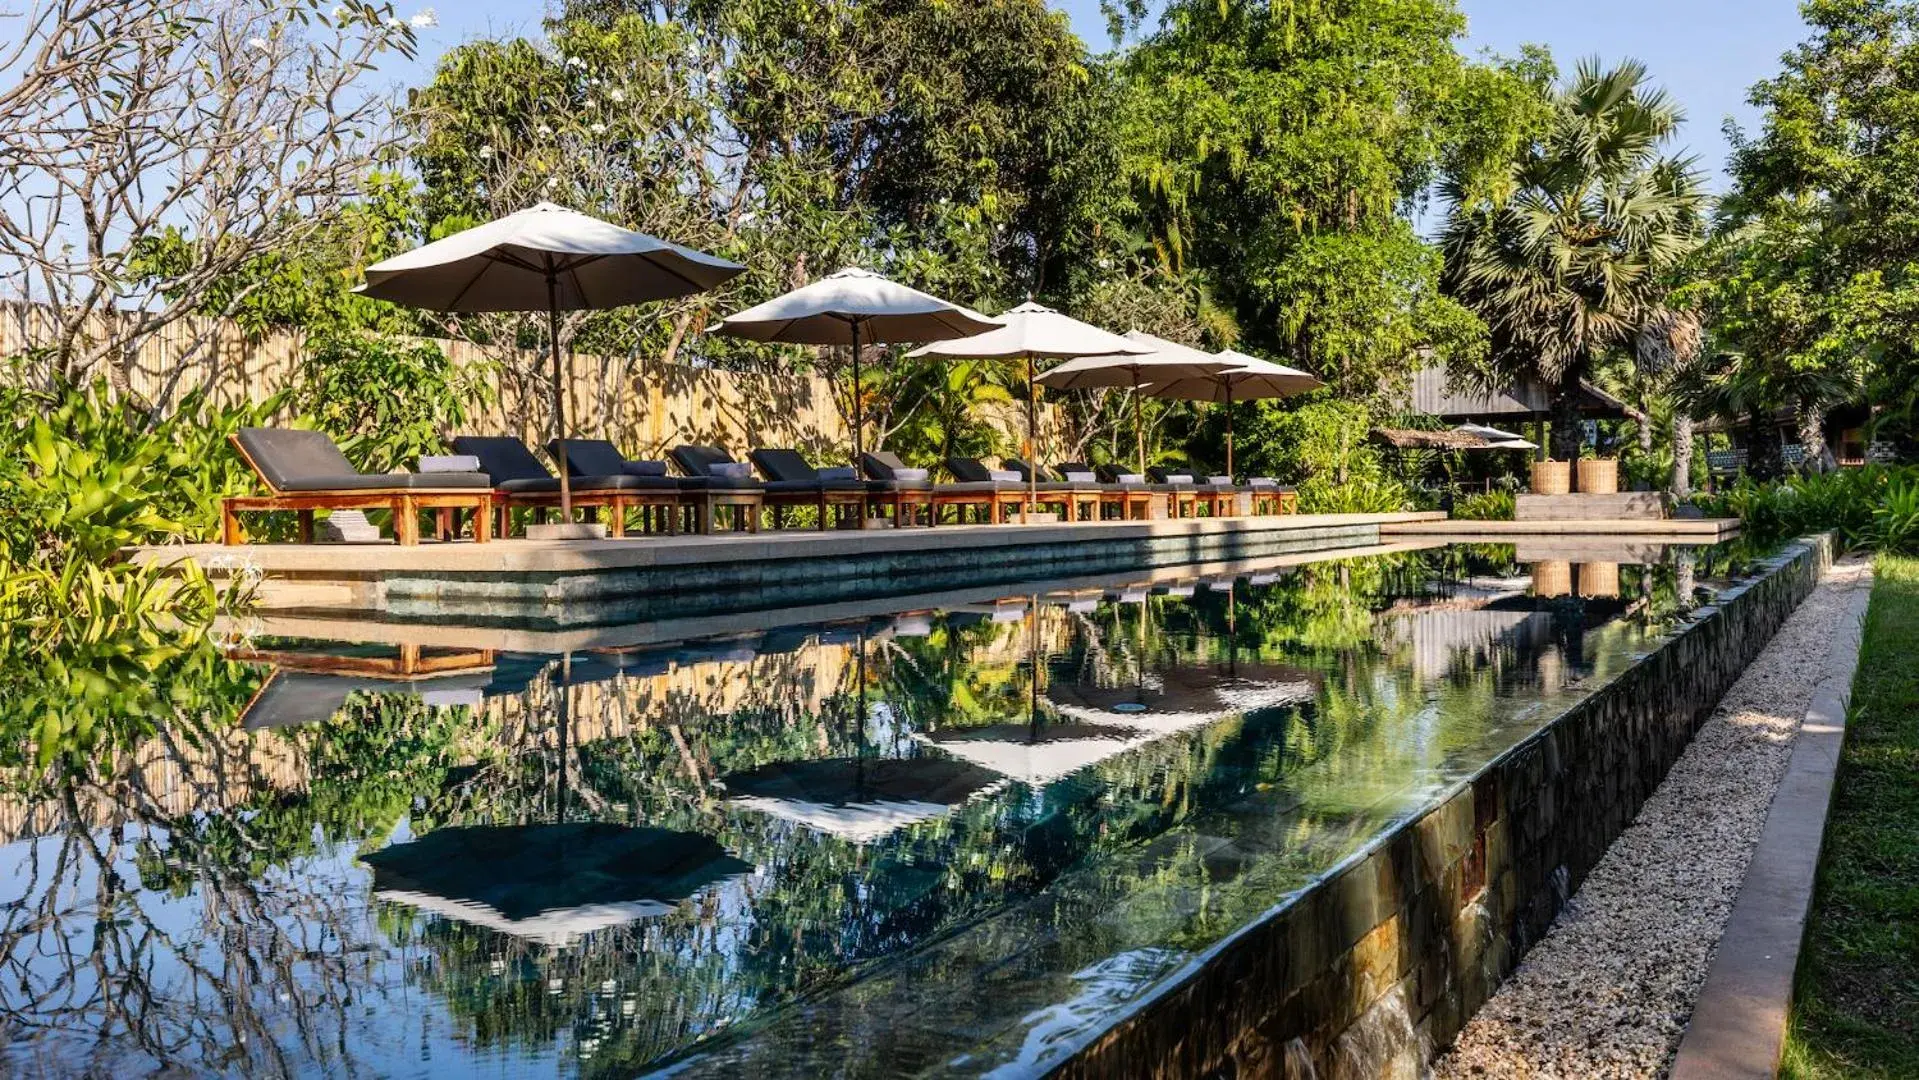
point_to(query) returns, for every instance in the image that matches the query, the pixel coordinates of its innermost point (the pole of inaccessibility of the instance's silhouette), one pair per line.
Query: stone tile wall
(1372, 971)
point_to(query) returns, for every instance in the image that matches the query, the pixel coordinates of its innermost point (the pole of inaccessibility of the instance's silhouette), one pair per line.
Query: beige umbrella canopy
(1250, 377)
(1169, 361)
(545, 258)
(847, 307)
(1035, 332)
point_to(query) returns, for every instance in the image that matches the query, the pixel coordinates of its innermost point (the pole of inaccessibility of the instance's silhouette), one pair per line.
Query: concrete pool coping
(324, 626)
(1738, 1027)
(517, 556)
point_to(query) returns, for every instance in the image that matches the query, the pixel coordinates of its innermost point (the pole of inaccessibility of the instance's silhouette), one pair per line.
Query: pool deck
(1670, 530)
(607, 581)
(360, 629)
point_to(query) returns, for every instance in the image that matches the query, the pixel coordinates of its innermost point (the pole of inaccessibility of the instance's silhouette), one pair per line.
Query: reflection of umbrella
(841, 308)
(1169, 361)
(1035, 332)
(549, 258)
(1250, 379)
(858, 799)
(550, 883)
(1037, 753)
(291, 698)
(1183, 698)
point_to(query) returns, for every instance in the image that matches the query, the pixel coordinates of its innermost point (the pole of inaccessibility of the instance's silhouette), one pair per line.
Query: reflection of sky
(1292, 791)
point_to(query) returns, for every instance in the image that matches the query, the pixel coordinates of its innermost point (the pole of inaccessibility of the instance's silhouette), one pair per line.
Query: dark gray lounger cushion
(292, 460)
(589, 457)
(787, 471)
(884, 467)
(696, 461)
(504, 458)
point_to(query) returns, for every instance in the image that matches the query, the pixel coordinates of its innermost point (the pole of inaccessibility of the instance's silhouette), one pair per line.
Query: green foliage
(1485, 506)
(84, 474)
(96, 651)
(1322, 448)
(1577, 258)
(386, 400)
(1857, 991)
(1872, 507)
(1242, 162)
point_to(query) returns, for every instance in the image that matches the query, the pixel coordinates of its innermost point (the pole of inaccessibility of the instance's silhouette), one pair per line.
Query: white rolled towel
(449, 463)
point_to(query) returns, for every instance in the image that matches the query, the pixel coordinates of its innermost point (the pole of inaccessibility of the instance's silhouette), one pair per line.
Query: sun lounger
(716, 491)
(792, 481)
(305, 472)
(1218, 498)
(1129, 499)
(1069, 496)
(521, 479)
(973, 485)
(660, 497)
(885, 469)
(1182, 499)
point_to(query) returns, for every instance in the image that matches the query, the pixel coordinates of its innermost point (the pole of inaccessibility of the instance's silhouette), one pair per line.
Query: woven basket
(1599, 476)
(1552, 478)
(1552, 577)
(1599, 580)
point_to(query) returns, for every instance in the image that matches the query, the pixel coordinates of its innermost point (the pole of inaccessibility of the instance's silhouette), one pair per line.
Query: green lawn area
(1856, 1008)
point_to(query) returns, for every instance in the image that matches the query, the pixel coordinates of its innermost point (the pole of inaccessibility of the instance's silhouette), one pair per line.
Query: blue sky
(1705, 52)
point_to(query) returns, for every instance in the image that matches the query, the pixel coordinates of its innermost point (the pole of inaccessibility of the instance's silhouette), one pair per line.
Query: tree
(225, 133)
(1819, 237)
(1278, 149)
(1668, 346)
(1573, 262)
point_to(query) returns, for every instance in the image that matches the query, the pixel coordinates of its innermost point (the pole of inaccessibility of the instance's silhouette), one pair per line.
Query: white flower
(575, 62)
(425, 19)
(598, 129)
(552, 182)
(257, 43)
(617, 94)
(542, 131)
(486, 151)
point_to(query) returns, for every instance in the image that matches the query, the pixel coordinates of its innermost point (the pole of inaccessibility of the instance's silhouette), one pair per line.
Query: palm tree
(1570, 264)
(1667, 348)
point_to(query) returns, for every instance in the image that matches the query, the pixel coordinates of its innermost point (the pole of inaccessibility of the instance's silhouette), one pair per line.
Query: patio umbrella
(846, 307)
(1035, 332)
(1168, 361)
(545, 257)
(1497, 439)
(1250, 377)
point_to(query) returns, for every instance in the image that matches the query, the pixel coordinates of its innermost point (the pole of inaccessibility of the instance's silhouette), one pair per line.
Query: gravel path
(1609, 990)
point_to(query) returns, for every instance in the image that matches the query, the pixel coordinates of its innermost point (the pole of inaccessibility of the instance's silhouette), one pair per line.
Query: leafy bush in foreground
(1485, 506)
(1872, 507)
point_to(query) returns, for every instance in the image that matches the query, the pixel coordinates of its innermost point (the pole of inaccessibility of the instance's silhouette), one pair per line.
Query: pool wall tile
(1374, 971)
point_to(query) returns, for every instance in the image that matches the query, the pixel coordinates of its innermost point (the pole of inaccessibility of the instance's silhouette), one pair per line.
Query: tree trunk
(1681, 456)
(1565, 419)
(1763, 459)
(1812, 438)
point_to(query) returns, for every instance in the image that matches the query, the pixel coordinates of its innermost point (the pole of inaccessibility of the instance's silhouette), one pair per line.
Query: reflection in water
(942, 840)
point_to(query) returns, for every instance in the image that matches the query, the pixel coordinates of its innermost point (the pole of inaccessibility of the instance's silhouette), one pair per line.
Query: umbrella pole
(1032, 442)
(1229, 431)
(1139, 422)
(859, 435)
(559, 391)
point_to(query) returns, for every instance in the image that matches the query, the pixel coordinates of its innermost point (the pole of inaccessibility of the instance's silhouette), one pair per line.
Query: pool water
(951, 840)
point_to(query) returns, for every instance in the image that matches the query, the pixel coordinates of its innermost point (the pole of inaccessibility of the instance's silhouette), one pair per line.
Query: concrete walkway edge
(1738, 1027)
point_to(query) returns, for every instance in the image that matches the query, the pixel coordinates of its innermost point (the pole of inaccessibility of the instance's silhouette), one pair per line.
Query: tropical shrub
(387, 400)
(1485, 506)
(1872, 507)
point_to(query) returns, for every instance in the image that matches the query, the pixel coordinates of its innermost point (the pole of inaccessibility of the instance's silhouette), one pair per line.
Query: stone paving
(1608, 992)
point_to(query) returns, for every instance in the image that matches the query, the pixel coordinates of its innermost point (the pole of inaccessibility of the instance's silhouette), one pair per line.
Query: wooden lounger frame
(405, 503)
(617, 502)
